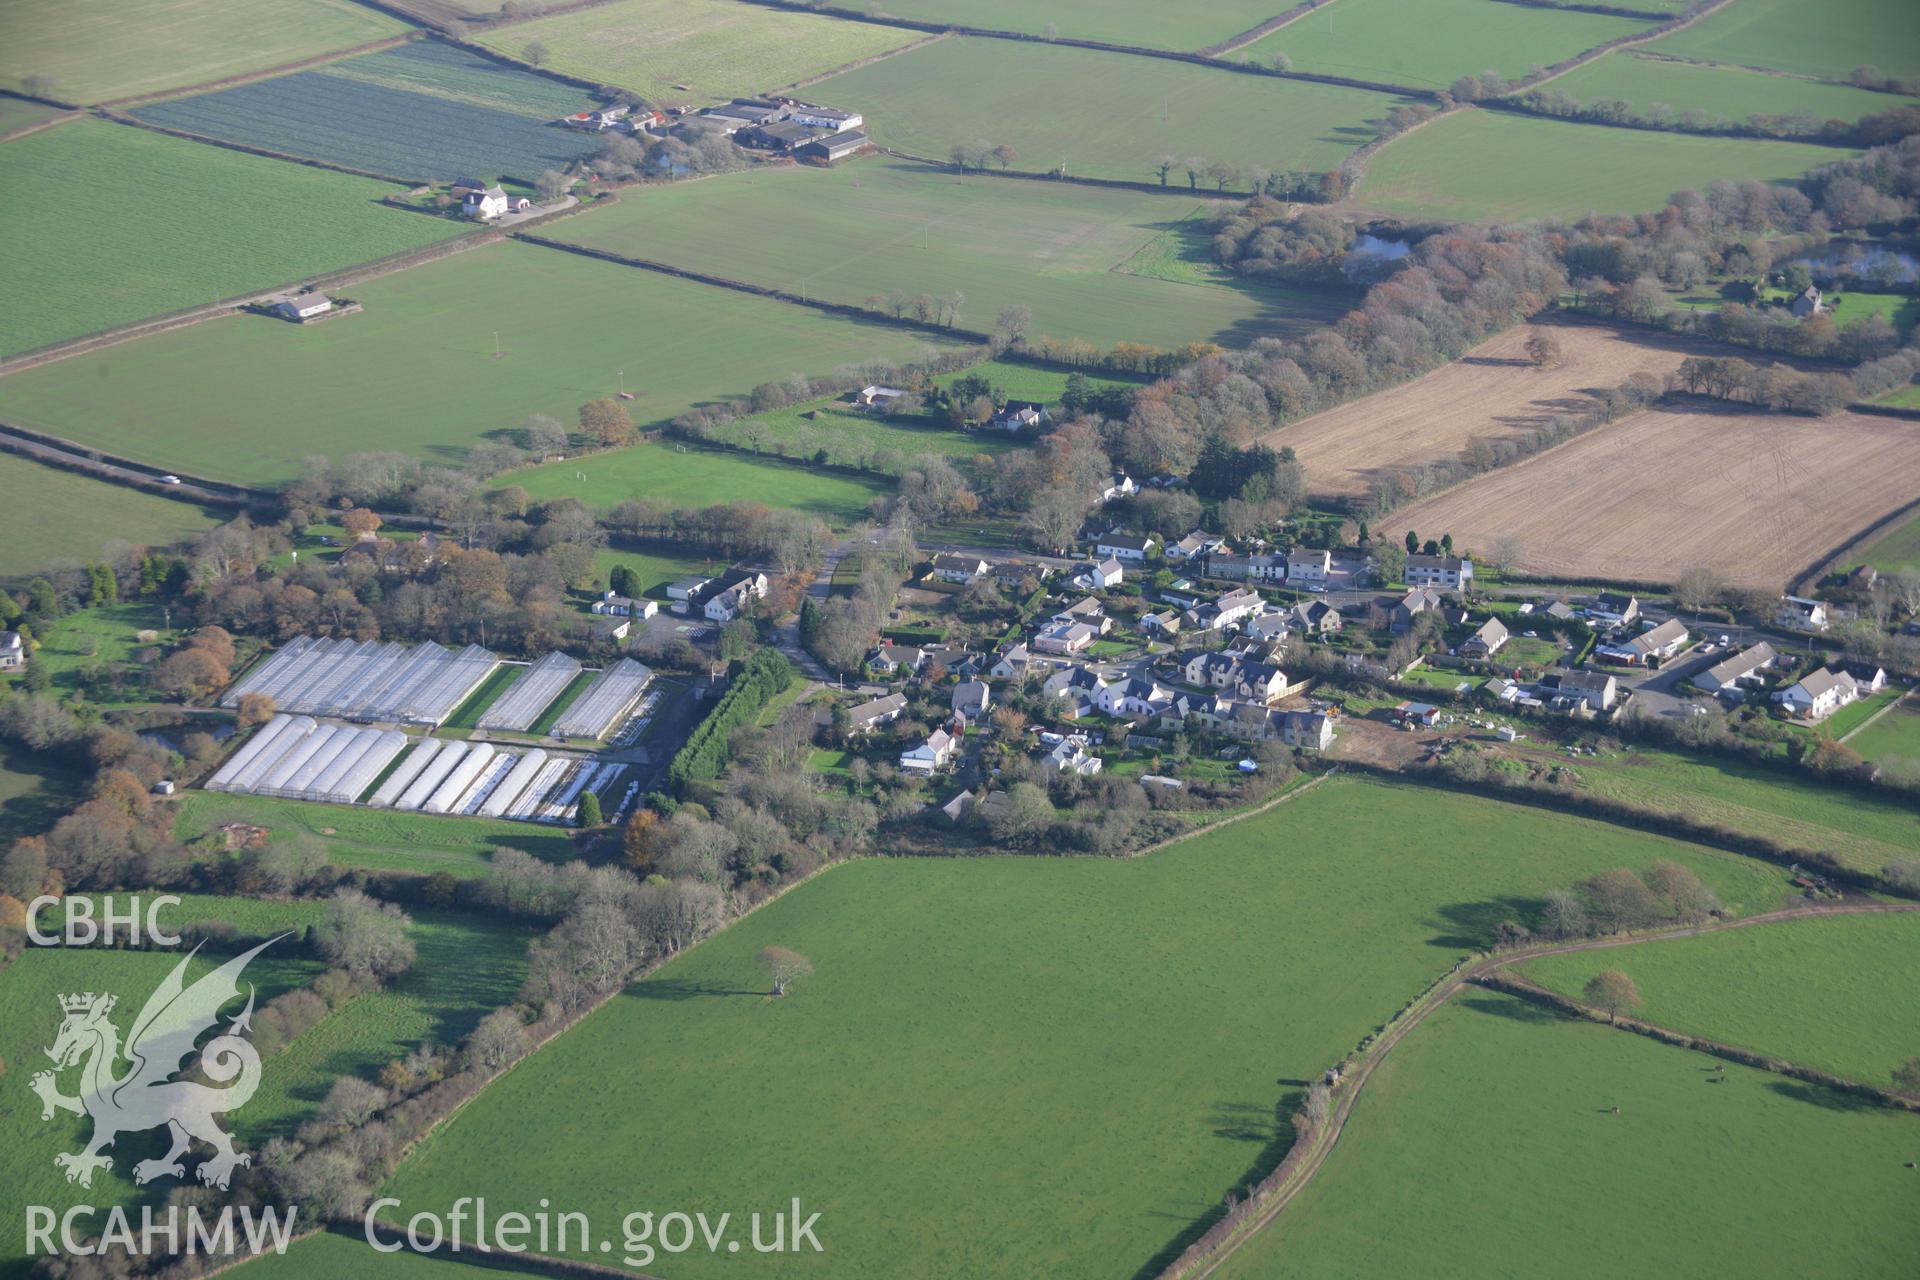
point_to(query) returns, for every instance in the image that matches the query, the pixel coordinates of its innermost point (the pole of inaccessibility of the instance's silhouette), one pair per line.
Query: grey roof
(1743, 663)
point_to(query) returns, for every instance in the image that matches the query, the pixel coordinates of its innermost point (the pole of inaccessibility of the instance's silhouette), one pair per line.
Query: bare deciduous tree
(784, 967)
(1612, 991)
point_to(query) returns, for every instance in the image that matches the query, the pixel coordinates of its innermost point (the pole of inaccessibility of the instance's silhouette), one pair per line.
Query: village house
(930, 756)
(1077, 684)
(1448, 573)
(1209, 669)
(1011, 573)
(1819, 694)
(1011, 662)
(1807, 302)
(1485, 642)
(302, 306)
(1248, 568)
(13, 651)
(896, 659)
(1164, 623)
(1070, 755)
(1124, 546)
(1612, 609)
(1736, 670)
(1020, 415)
(1649, 647)
(1135, 697)
(735, 597)
(1234, 607)
(1269, 628)
(869, 716)
(1100, 576)
(1868, 678)
(877, 398)
(1401, 614)
(1195, 544)
(1595, 689)
(1262, 682)
(972, 698)
(1317, 618)
(1799, 613)
(1305, 564)
(1064, 635)
(611, 602)
(1121, 485)
(493, 203)
(949, 567)
(687, 588)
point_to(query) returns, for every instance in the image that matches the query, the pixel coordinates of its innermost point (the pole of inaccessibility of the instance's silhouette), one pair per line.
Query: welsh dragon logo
(144, 1095)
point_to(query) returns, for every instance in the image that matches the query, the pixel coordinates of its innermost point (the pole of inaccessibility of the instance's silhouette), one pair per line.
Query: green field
(376, 838)
(698, 50)
(18, 113)
(328, 1256)
(1059, 249)
(1857, 713)
(1102, 115)
(1907, 397)
(1899, 547)
(1081, 1051)
(1487, 166)
(1894, 735)
(55, 515)
(35, 791)
(1863, 831)
(108, 634)
(1786, 36)
(1138, 22)
(77, 263)
(1490, 1133)
(1815, 992)
(656, 569)
(849, 436)
(248, 399)
(1428, 44)
(464, 969)
(1726, 93)
(101, 49)
(698, 477)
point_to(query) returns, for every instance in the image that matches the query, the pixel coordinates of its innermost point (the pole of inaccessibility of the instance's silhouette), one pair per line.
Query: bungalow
(1819, 695)
(1020, 415)
(1164, 623)
(1597, 689)
(1135, 697)
(13, 651)
(1011, 662)
(1868, 678)
(877, 398)
(1065, 635)
(835, 146)
(930, 756)
(896, 659)
(1195, 544)
(1421, 713)
(1802, 614)
(625, 606)
(1100, 576)
(949, 567)
(1736, 669)
(1449, 573)
(1559, 611)
(1120, 485)
(1316, 618)
(1649, 647)
(1617, 610)
(1306, 565)
(972, 698)
(1087, 609)
(869, 716)
(1124, 546)
(302, 306)
(1485, 642)
(611, 630)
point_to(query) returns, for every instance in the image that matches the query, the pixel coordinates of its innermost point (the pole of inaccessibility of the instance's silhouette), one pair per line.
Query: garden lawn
(656, 567)
(1059, 249)
(1187, 28)
(1861, 829)
(1488, 166)
(384, 839)
(1814, 992)
(1854, 714)
(55, 515)
(1827, 42)
(1103, 115)
(424, 112)
(1428, 44)
(76, 263)
(1723, 92)
(464, 968)
(247, 399)
(698, 50)
(1899, 547)
(694, 476)
(1895, 735)
(1055, 1066)
(106, 635)
(1492, 1126)
(101, 49)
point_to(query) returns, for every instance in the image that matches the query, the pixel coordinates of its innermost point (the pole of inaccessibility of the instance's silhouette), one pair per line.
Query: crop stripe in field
(247, 77)
(247, 148)
(1234, 44)
(1322, 1142)
(867, 61)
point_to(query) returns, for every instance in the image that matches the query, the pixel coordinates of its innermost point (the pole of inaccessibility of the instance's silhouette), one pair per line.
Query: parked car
(169, 479)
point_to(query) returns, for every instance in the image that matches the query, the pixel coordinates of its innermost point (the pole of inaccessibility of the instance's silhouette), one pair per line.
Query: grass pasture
(327, 1255)
(1103, 115)
(246, 399)
(1813, 992)
(425, 112)
(1138, 22)
(1497, 1115)
(945, 1045)
(1899, 547)
(696, 477)
(18, 113)
(1722, 92)
(1060, 249)
(1489, 166)
(107, 634)
(96, 50)
(1895, 735)
(35, 791)
(1827, 42)
(1428, 44)
(92, 266)
(383, 839)
(698, 50)
(62, 515)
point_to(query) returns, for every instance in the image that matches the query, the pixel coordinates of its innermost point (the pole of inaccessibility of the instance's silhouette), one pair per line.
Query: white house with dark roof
(1819, 694)
(951, 567)
(1309, 564)
(1448, 573)
(1101, 575)
(1124, 546)
(13, 651)
(932, 755)
(1800, 613)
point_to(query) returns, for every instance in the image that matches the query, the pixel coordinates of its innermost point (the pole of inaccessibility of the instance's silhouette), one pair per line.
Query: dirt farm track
(1755, 496)
(1490, 392)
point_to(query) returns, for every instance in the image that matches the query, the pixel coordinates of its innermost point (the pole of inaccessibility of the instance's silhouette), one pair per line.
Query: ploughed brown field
(1757, 497)
(1493, 391)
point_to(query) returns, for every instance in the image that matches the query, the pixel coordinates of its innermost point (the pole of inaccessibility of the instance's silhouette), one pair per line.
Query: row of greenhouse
(368, 679)
(296, 757)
